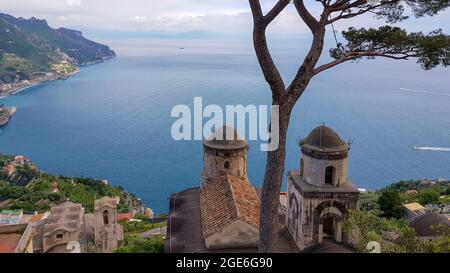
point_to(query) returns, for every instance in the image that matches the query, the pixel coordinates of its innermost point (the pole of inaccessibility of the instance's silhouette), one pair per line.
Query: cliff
(31, 52)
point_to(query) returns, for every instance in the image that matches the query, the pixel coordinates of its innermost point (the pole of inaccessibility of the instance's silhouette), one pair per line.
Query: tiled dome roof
(225, 138)
(425, 223)
(325, 138)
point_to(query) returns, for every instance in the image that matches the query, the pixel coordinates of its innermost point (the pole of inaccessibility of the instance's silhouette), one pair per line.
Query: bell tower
(224, 152)
(108, 233)
(320, 193)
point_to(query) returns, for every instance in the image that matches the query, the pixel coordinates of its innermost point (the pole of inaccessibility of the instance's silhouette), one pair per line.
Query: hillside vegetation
(32, 46)
(31, 190)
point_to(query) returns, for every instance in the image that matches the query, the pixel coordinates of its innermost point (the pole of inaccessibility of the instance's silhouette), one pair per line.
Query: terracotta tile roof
(125, 216)
(9, 242)
(225, 200)
(37, 217)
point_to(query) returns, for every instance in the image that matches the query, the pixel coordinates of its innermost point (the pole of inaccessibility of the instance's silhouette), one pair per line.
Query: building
(320, 194)
(108, 233)
(68, 229)
(413, 210)
(125, 216)
(149, 213)
(222, 215)
(16, 238)
(10, 169)
(229, 209)
(62, 226)
(427, 225)
(224, 152)
(11, 217)
(38, 217)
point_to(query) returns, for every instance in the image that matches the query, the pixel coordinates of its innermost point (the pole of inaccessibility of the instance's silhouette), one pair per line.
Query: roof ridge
(238, 216)
(235, 198)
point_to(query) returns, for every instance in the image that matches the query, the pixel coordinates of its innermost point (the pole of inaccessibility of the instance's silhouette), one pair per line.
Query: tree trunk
(270, 195)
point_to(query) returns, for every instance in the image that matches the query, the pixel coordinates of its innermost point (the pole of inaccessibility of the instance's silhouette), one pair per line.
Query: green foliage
(369, 201)
(429, 192)
(428, 196)
(422, 8)
(301, 142)
(163, 215)
(28, 46)
(141, 216)
(37, 196)
(440, 244)
(394, 236)
(135, 244)
(138, 227)
(430, 50)
(391, 204)
(4, 160)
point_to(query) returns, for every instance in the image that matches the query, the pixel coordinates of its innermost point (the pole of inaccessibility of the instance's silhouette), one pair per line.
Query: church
(222, 214)
(68, 229)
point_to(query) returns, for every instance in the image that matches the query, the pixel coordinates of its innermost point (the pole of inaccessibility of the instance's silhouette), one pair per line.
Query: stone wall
(217, 163)
(314, 170)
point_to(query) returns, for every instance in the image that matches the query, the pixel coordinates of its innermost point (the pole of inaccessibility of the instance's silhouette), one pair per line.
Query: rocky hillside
(23, 186)
(29, 46)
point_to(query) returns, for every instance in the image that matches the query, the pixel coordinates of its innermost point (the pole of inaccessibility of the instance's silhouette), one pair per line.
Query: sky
(219, 16)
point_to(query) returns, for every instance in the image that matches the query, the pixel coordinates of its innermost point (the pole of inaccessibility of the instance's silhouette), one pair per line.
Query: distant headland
(31, 52)
(6, 113)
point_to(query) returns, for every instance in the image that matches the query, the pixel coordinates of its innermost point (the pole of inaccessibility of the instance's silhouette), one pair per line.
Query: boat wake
(434, 149)
(425, 92)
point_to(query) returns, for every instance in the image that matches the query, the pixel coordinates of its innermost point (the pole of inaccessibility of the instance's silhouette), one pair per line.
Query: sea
(113, 120)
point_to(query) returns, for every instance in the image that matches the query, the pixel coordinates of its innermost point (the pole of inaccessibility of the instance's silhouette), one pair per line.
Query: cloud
(138, 19)
(226, 16)
(62, 18)
(73, 2)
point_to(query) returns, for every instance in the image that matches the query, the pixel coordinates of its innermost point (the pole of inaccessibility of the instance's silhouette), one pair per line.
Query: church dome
(324, 140)
(225, 138)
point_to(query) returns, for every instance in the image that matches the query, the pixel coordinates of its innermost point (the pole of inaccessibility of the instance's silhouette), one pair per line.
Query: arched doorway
(328, 217)
(328, 226)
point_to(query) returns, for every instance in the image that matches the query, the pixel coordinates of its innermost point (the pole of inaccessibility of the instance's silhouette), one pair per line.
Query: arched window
(227, 165)
(329, 174)
(105, 217)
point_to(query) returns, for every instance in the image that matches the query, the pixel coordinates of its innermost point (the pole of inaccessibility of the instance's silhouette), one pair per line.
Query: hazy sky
(222, 16)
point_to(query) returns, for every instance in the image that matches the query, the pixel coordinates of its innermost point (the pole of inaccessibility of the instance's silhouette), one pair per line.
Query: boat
(434, 149)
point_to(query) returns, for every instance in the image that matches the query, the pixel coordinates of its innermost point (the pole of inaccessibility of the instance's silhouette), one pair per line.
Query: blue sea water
(112, 121)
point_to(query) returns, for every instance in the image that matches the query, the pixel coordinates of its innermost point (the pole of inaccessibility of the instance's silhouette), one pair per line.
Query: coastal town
(40, 213)
(61, 72)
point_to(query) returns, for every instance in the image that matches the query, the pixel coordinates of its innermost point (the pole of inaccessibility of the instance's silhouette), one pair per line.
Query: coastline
(21, 86)
(5, 118)
(16, 88)
(25, 85)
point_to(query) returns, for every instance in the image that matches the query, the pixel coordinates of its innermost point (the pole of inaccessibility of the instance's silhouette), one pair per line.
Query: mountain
(29, 46)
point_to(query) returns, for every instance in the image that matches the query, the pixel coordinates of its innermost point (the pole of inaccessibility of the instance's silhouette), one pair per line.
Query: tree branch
(306, 16)
(350, 56)
(270, 71)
